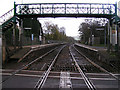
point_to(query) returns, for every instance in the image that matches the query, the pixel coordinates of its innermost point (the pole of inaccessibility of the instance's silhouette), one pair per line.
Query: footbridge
(97, 10)
(66, 10)
(20, 11)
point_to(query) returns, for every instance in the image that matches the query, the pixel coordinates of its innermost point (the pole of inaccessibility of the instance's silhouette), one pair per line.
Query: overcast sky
(71, 24)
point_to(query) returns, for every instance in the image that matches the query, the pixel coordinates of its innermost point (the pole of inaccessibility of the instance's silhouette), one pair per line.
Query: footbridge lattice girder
(66, 10)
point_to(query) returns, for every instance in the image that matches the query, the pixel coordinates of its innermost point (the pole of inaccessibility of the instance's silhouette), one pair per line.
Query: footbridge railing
(6, 16)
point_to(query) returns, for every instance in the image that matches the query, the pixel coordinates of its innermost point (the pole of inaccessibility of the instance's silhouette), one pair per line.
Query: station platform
(28, 49)
(20, 53)
(95, 48)
(97, 52)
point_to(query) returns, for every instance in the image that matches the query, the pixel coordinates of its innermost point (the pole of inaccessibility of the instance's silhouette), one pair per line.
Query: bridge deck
(66, 15)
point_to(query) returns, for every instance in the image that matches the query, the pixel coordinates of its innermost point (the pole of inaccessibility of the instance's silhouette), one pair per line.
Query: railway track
(27, 65)
(96, 65)
(65, 81)
(89, 84)
(64, 60)
(42, 80)
(65, 72)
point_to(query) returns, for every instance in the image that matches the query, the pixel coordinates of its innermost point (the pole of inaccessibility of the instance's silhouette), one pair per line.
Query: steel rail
(89, 84)
(96, 65)
(43, 79)
(13, 73)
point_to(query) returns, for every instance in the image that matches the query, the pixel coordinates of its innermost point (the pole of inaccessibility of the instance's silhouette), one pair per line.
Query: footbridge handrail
(7, 16)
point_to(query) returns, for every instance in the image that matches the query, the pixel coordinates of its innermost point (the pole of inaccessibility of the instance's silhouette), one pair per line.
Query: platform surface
(20, 53)
(26, 49)
(91, 47)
